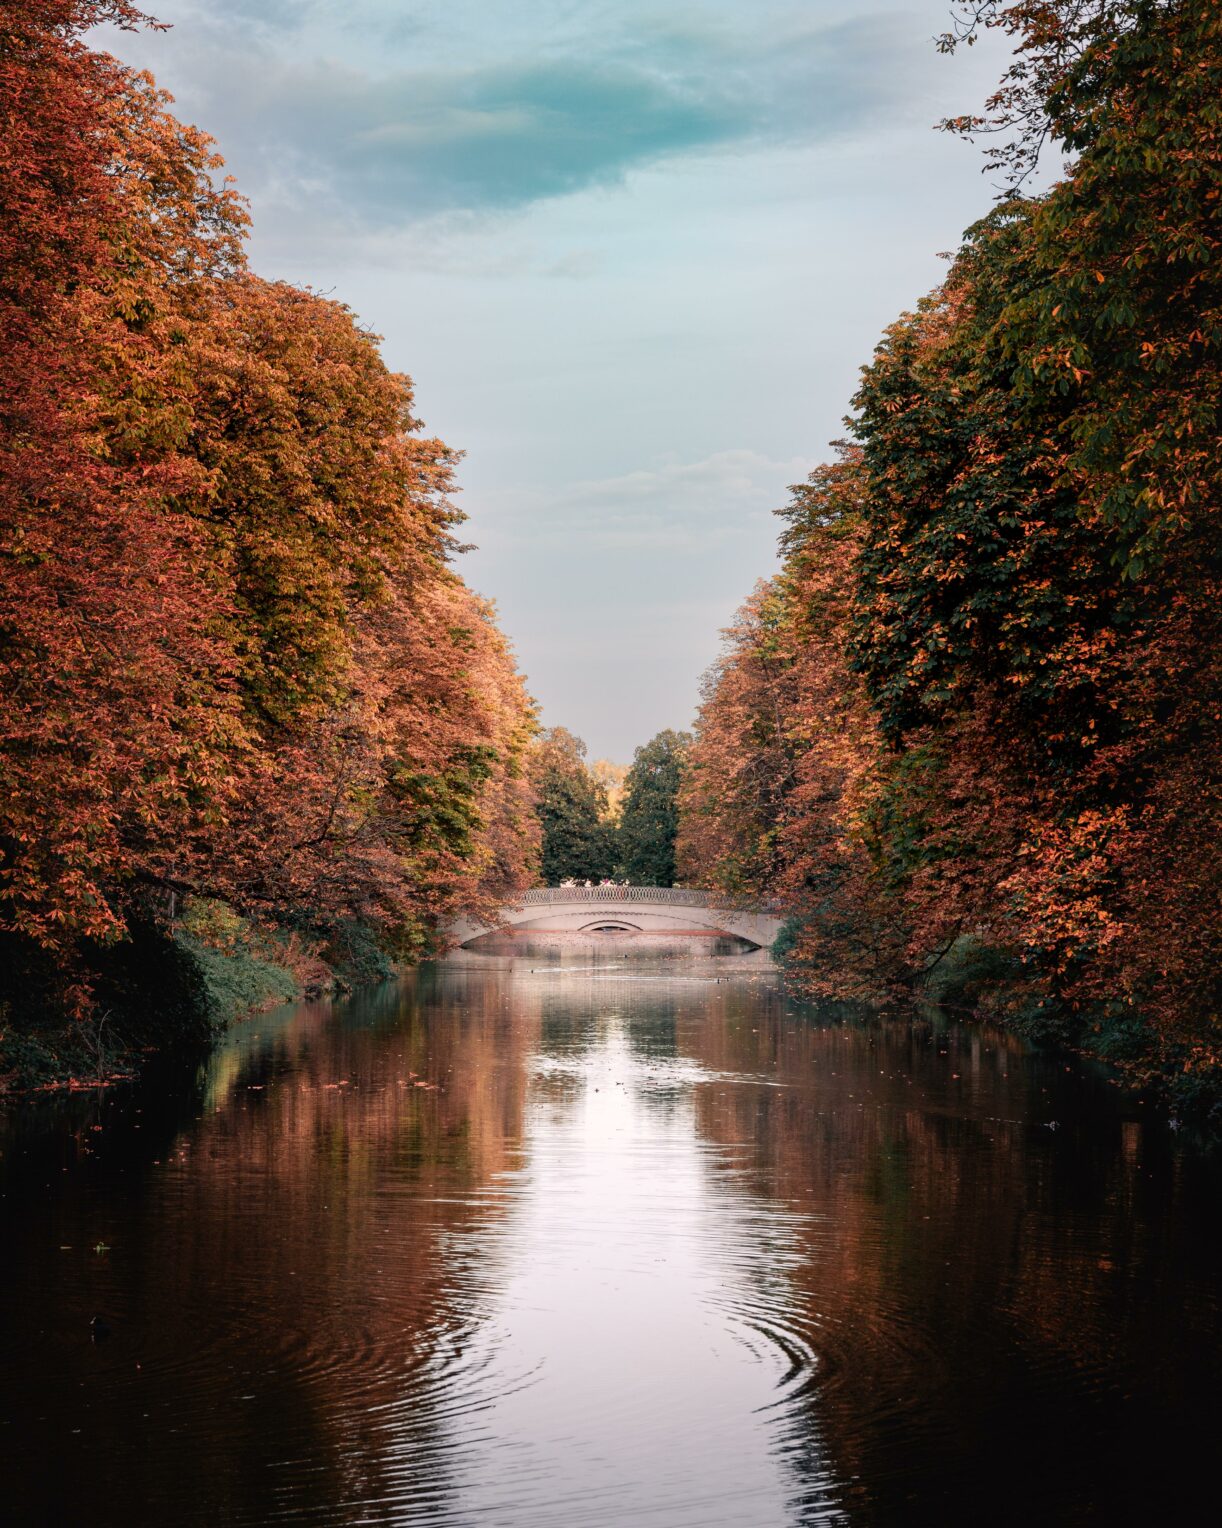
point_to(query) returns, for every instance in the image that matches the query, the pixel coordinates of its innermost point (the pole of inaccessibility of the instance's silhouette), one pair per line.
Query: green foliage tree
(974, 722)
(649, 817)
(578, 837)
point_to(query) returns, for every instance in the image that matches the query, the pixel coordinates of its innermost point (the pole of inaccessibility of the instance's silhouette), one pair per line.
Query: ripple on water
(644, 1250)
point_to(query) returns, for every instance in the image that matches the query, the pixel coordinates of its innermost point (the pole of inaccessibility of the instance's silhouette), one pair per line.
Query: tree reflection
(562, 1244)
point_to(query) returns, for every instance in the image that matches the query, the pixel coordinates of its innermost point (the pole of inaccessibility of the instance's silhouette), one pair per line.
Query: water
(607, 1245)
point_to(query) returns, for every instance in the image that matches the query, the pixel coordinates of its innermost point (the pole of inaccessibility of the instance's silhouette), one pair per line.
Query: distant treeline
(970, 732)
(589, 835)
(239, 668)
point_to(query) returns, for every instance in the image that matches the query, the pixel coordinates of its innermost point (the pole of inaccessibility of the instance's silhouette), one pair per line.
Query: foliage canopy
(979, 706)
(238, 663)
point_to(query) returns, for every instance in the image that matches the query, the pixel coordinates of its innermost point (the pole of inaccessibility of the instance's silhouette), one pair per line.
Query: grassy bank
(978, 979)
(163, 989)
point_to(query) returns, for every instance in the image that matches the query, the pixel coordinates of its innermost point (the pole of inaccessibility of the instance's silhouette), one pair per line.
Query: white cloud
(675, 506)
(367, 144)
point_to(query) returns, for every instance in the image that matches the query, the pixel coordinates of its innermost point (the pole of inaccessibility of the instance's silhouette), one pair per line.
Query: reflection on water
(607, 946)
(604, 1243)
(635, 1274)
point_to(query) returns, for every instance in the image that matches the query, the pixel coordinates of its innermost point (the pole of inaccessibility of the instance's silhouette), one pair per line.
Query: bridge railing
(670, 896)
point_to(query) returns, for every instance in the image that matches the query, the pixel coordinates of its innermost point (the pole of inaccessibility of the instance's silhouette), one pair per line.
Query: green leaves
(578, 836)
(981, 702)
(649, 816)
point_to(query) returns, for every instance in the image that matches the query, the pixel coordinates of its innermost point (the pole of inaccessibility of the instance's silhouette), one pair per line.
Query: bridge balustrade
(673, 896)
(670, 896)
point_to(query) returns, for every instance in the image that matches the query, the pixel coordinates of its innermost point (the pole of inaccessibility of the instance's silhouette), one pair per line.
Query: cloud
(409, 145)
(677, 507)
(372, 149)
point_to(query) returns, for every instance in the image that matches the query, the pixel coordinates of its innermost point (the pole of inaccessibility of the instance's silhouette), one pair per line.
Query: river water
(528, 1244)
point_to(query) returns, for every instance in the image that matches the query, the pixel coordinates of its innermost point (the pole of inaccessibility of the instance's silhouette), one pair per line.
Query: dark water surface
(609, 1246)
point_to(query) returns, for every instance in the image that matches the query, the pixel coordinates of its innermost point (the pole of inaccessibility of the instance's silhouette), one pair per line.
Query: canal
(534, 1243)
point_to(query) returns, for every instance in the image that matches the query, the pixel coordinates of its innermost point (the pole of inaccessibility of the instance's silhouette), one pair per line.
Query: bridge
(664, 913)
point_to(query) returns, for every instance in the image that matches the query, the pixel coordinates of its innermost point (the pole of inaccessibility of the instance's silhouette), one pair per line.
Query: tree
(649, 816)
(739, 770)
(118, 714)
(611, 777)
(1038, 611)
(979, 709)
(783, 771)
(238, 663)
(578, 839)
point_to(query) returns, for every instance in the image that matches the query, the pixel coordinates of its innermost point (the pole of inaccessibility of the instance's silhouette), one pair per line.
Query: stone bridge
(666, 912)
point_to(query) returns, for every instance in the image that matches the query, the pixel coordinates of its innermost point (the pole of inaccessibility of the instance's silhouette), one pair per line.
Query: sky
(633, 254)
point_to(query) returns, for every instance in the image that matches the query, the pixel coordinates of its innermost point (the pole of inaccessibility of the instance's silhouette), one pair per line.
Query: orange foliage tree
(238, 662)
(118, 704)
(780, 777)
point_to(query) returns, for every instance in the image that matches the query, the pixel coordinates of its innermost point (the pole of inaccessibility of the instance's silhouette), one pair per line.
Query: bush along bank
(162, 990)
(986, 983)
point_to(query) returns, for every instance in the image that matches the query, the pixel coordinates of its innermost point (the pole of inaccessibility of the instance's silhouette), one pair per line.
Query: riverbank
(179, 989)
(975, 982)
(163, 989)
(985, 984)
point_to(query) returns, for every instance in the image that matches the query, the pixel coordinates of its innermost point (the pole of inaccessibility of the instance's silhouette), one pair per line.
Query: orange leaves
(779, 770)
(238, 662)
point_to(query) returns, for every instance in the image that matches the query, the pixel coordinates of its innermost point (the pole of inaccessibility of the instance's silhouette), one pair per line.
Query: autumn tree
(740, 767)
(611, 777)
(118, 713)
(1038, 608)
(238, 661)
(976, 716)
(781, 776)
